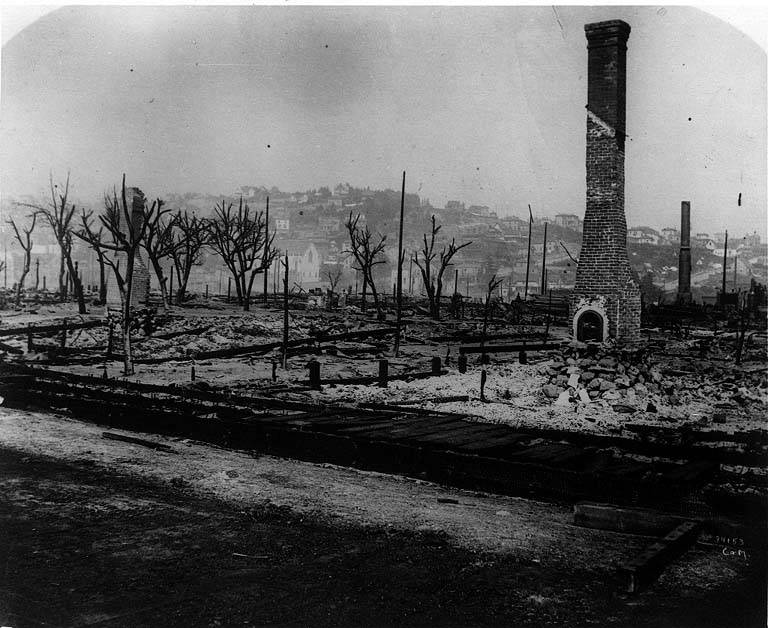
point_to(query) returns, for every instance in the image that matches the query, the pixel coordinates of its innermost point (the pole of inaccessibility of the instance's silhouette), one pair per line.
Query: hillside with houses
(310, 228)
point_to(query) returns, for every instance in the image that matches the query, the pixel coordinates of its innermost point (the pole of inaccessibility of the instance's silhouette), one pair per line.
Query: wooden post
(63, 341)
(436, 365)
(483, 379)
(314, 375)
(37, 273)
(549, 315)
(229, 288)
(170, 291)
(43, 282)
(410, 276)
(285, 314)
(725, 260)
(544, 264)
(462, 362)
(192, 374)
(110, 336)
(266, 254)
(400, 270)
(30, 343)
(528, 262)
(274, 370)
(383, 373)
(456, 281)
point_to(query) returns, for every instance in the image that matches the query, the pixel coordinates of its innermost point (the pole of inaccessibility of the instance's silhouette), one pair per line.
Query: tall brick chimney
(684, 265)
(606, 299)
(135, 200)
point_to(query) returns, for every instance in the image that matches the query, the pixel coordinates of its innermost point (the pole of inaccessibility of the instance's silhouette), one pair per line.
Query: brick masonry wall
(140, 283)
(604, 271)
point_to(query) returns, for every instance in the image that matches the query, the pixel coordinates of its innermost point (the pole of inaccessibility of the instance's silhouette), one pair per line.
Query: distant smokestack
(684, 266)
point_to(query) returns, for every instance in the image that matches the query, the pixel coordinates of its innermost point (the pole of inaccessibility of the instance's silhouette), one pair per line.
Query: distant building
(455, 206)
(480, 210)
(752, 240)
(568, 221)
(304, 262)
(329, 224)
(670, 234)
(342, 189)
(643, 235)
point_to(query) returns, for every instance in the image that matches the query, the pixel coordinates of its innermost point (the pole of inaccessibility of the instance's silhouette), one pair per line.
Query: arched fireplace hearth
(589, 327)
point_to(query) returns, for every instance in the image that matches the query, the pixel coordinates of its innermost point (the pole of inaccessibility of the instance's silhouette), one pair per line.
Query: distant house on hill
(568, 221)
(671, 235)
(329, 224)
(480, 210)
(643, 235)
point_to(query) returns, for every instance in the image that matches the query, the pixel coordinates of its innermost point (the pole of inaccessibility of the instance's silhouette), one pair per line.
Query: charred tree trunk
(128, 357)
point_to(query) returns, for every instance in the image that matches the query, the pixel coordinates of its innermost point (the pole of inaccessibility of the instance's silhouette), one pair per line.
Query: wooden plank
(641, 521)
(395, 427)
(543, 453)
(461, 434)
(512, 348)
(51, 329)
(488, 446)
(643, 570)
(137, 441)
(427, 426)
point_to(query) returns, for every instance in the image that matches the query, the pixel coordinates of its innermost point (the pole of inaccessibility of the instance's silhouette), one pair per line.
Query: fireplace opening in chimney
(589, 327)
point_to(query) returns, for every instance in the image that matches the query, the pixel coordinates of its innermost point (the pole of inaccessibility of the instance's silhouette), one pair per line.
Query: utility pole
(37, 273)
(456, 281)
(544, 263)
(400, 269)
(725, 260)
(266, 253)
(285, 314)
(528, 262)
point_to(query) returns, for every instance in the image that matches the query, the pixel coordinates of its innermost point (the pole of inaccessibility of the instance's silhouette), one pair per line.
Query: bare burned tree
(334, 274)
(432, 269)
(189, 239)
(59, 214)
(24, 237)
(240, 239)
(124, 235)
(159, 243)
(492, 285)
(368, 252)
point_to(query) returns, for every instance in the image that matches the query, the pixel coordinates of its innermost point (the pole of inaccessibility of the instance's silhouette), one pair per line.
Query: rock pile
(643, 381)
(626, 382)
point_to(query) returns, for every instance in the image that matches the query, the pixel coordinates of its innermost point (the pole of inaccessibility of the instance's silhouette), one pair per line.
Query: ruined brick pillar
(684, 265)
(135, 200)
(605, 303)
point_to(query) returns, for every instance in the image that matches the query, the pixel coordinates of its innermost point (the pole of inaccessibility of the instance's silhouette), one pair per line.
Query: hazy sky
(481, 104)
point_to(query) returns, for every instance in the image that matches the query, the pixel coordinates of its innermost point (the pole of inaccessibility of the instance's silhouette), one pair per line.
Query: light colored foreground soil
(103, 532)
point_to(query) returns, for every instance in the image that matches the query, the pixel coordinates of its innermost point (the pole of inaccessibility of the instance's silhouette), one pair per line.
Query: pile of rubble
(634, 381)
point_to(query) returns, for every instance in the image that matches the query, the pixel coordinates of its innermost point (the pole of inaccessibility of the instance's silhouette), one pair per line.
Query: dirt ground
(103, 532)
